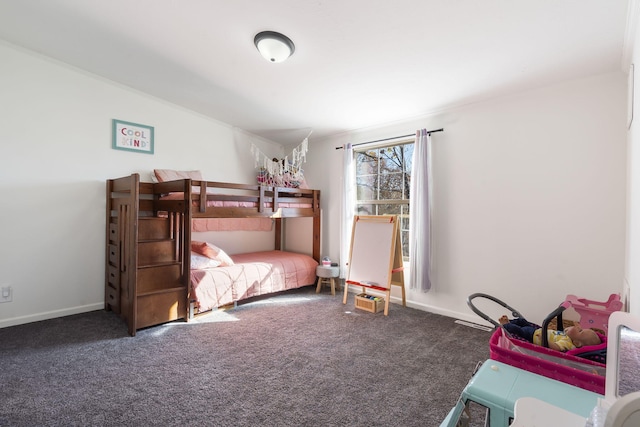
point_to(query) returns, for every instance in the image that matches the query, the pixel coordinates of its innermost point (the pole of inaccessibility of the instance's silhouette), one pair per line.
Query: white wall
(55, 155)
(529, 197)
(632, 268)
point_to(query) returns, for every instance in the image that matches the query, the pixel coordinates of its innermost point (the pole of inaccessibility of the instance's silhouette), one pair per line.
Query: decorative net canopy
(286, 172)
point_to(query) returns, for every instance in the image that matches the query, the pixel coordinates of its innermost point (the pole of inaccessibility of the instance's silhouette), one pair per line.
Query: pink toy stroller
(582, 367)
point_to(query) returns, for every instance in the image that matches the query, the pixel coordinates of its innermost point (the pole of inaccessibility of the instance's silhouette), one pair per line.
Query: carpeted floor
(293, 359)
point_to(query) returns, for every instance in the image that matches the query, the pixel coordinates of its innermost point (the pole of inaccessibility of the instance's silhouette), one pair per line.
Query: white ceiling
(357, 64)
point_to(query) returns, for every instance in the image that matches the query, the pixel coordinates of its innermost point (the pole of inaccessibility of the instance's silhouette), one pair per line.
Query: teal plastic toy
(492, 392)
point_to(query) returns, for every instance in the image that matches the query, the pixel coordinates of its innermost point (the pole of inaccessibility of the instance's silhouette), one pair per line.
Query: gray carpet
(293, 359)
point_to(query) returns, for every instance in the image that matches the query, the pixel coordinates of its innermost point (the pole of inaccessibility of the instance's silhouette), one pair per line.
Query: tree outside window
(383, 177)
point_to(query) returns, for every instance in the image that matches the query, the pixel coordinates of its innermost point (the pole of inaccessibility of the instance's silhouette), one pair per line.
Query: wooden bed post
(317, 218)
(130, 237)
(316, 237)
(108, 293)
(185, 241)
(278, 231)
(261, 198)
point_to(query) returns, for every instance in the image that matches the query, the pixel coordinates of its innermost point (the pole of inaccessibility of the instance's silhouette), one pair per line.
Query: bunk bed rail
(270, 201)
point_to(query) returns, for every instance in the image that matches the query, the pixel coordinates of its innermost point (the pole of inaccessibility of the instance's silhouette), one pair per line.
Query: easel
(375, 260)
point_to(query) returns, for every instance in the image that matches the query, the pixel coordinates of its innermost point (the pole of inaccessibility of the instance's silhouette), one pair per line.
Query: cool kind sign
(132, 137)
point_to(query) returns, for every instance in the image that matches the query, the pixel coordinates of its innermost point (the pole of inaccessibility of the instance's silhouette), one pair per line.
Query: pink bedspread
(253, 274)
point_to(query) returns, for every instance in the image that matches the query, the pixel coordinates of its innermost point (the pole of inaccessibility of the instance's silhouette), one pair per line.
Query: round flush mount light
(274, 47)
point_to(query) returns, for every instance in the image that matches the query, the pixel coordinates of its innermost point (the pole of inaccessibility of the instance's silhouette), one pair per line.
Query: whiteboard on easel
(372, 250)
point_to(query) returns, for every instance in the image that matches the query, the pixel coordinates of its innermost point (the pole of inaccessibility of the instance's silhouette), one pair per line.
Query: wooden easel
(375, 260)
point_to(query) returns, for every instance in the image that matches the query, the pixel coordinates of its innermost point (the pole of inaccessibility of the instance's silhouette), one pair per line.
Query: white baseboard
(21, 320)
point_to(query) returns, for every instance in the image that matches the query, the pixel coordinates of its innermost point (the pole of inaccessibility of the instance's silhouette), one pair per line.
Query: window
(383, 177)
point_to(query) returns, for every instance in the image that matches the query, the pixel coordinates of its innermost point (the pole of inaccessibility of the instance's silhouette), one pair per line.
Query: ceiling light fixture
(274, 47)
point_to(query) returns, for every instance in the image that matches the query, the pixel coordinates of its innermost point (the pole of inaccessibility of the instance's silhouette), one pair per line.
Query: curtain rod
(393, 137)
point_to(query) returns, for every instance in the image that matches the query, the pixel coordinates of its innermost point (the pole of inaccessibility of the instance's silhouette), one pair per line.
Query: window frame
(405, 200)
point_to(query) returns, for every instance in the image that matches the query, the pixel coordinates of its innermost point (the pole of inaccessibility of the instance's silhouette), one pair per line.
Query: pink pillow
(171, 175)
(211, 251)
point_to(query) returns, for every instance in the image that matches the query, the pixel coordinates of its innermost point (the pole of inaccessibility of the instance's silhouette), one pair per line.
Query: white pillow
(200, 262)
(211, 251)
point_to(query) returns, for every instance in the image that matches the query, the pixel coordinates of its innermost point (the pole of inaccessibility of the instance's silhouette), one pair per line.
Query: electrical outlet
(6, 295)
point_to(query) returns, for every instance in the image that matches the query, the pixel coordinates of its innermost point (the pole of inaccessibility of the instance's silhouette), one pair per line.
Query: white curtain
(348, 207)
(420, 253)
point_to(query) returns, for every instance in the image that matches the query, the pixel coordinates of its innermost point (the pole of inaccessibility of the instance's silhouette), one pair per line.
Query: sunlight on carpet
(215, 316)
(226, 314)
(280, 300)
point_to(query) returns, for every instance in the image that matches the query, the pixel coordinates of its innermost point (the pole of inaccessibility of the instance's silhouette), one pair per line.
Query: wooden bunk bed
(148, 238)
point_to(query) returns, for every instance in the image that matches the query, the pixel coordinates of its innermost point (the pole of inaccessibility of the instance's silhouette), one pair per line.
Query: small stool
(328, 274)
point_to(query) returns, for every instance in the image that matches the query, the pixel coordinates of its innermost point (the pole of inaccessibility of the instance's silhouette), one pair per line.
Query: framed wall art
(132, 137)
